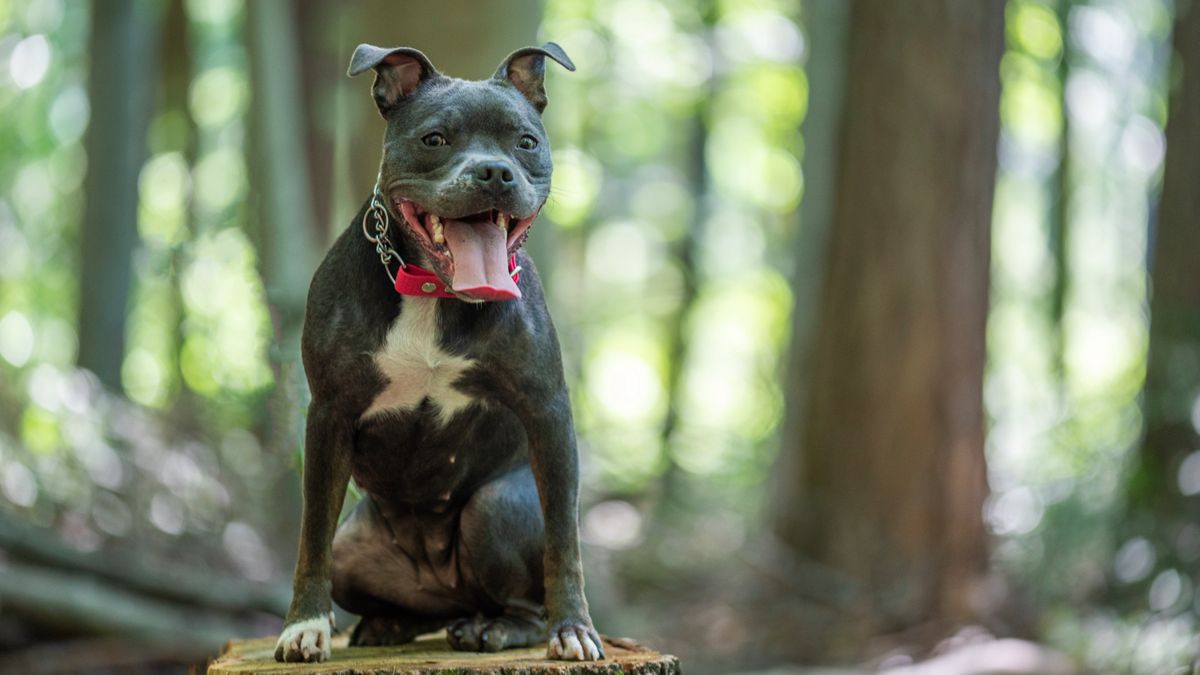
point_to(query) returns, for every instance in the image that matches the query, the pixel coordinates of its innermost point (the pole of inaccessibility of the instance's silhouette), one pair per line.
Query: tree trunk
(286, 234)
(1060, 216)
(287, 237)
(827, 23)
(686, 251)
(324, 69)
(173, 96)
(433, 656)
(287, 246)
(890, 480)
(1172, 384)
(121, 84)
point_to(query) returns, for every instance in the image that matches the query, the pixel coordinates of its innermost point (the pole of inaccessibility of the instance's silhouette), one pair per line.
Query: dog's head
(466, 164)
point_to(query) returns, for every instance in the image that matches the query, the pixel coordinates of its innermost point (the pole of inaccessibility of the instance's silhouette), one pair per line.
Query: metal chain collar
(383, 244)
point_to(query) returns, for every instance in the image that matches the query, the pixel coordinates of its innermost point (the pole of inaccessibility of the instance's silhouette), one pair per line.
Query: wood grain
(433, 656)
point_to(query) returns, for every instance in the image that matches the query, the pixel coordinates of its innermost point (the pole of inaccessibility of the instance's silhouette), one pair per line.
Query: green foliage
(93, 466)
(674, 80)
(1064, 424)
(669, 238)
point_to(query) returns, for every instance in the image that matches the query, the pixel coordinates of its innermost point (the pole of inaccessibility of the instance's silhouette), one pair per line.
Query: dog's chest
(416, 367)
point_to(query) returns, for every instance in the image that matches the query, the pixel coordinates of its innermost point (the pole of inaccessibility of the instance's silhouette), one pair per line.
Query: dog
(437, 384)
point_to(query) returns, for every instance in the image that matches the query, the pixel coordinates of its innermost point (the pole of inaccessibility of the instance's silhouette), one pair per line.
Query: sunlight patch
(29, 61)
(16, 339)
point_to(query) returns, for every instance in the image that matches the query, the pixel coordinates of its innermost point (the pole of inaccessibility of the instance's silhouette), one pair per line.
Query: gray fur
(472, 519)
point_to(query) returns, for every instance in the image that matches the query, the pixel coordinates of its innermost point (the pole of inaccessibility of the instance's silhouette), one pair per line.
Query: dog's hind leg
(501, 544)
(370, 577)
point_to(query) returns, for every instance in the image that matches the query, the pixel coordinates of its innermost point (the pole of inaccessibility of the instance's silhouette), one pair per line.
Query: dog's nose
(493, 174)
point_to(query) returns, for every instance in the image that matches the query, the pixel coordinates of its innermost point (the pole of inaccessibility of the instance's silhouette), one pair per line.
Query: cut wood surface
(433, 656)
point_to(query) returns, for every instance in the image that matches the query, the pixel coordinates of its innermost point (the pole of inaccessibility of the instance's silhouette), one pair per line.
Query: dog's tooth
(502, 221)
(435, 224)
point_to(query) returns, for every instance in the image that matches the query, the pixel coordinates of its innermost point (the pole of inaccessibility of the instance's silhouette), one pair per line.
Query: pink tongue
(480, 260)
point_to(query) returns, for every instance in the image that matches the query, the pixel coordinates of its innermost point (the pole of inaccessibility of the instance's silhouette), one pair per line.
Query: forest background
(881, 319)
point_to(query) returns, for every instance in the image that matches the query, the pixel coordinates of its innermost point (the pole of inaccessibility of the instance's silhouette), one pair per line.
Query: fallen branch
(135, 573)
(74, 604)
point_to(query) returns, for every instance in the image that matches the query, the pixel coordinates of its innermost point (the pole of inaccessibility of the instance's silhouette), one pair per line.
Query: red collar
(413, 280)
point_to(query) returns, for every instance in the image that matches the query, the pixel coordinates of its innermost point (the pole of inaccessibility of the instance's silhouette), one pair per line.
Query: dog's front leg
(555, 461)
(328, 443)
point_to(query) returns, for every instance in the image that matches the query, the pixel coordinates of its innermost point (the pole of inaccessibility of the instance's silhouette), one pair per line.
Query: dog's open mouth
(470, 252)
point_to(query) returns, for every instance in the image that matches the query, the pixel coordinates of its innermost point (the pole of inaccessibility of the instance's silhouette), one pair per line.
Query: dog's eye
(527, 142)
(434, 140)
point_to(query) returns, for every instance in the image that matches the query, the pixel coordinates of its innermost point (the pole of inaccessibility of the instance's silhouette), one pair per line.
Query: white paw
(306, 640)
(573, 642)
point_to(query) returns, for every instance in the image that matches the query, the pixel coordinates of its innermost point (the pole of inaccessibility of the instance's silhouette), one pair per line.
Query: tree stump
(432, 655)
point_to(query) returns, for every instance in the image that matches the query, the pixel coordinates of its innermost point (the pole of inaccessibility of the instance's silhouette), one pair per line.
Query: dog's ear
(397, 72)
(526, 70)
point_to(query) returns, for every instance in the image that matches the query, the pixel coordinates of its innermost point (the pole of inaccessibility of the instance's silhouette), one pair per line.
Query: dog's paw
(466, 635)
(306, 640)
(487, 634)
(480, 634)
(574, 641)
(385, 631)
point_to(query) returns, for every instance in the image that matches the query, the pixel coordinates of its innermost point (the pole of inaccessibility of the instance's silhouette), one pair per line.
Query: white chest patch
(416, 367)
